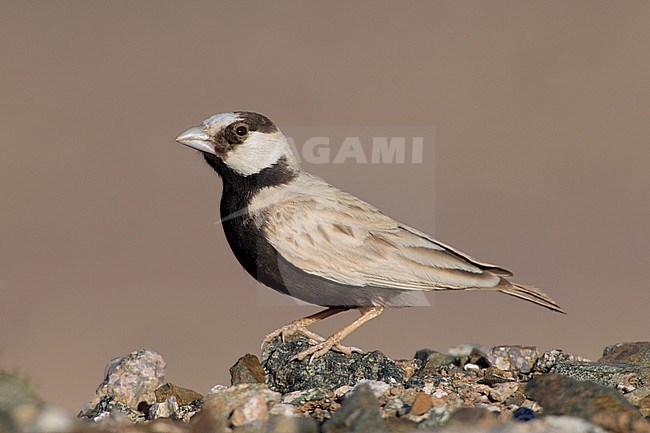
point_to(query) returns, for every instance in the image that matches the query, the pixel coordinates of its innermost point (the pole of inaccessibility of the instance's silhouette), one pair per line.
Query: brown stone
(476, 416)
(183, 395)
(628, 353)
(247, 370)
(421, 405)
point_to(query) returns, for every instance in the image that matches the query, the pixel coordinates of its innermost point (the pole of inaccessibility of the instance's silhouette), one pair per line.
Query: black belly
(264, 263)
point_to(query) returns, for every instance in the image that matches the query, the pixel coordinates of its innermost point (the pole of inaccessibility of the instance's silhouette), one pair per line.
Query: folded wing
(339, 237)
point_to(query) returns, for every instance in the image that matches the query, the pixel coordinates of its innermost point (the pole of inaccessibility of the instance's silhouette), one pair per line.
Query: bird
(299, 235)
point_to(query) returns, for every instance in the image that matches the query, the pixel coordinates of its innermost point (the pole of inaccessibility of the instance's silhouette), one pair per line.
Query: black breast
(264, 263)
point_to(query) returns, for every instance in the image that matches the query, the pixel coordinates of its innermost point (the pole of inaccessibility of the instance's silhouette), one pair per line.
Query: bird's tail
(531, 294)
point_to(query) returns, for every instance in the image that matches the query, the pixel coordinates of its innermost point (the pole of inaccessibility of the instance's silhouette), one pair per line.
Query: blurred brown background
(107, 234)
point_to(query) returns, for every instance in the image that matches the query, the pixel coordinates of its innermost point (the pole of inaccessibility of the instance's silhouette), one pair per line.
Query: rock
(51, 419)
(567, 424)
(493, 375)
(640, 398)
(330, 371)
(624, 377)
(392, 408)
(604, 406)
(434, 359)
(247, 370)
(628, 353)
(553, 357)
(358, 413)
(111, 411)
(500, 392)
(246, 398)
(434, 364)
(294, 424)
(251, 414)
(379, 389)
(183, 396)
(470, 354)
(523, 414)
(436, 417)
(283, 409)
(421, 405)
(409, 366)
(164, 409)
(19, 402)
(474, 416)
(300, 398)
(513, 358)
(217, 389)
(133, 379)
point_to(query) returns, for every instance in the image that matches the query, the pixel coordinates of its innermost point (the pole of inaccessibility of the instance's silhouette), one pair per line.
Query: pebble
(247, 370)
(378, 388)
(133, 378)
(358, 413)
(182, 396)
(294, 424)
(221, 404)
(514, 358)
(252, 412)
(523, 414)
(500, 392)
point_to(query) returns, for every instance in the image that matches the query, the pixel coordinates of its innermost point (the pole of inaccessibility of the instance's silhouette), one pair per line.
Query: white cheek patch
(217, 122)
(259, 151)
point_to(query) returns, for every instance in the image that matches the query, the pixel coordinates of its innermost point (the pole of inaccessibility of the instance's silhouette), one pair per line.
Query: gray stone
(514, 358)
(437, 416)
(291, 424)
(134, 378)
(601, 405)
(253, 413)
(472, 416)
(330, 371)
(379, 388)
(358, 413)
(549, 359)
(19, 402)
(624, 377)
(220, 405)
(111, 411)
(502, 391)
(300, 398)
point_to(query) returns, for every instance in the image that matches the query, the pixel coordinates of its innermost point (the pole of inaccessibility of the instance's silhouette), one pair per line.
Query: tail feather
(533, 295)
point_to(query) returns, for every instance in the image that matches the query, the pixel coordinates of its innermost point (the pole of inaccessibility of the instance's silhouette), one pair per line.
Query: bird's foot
(321, 348)
(292, 329)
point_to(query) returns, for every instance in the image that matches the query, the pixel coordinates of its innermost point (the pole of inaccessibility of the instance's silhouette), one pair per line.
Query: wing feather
(337, 236)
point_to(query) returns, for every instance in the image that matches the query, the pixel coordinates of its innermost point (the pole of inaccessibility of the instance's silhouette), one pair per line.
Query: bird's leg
(334, 341)
(300, 326)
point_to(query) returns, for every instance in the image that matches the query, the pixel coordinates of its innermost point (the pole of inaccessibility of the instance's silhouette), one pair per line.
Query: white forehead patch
(219, 121)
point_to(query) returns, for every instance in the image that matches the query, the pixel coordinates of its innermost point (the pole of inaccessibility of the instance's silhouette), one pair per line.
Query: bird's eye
(241, 131)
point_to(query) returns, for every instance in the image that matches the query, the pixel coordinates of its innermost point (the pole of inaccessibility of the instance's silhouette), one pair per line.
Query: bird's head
(241, 144)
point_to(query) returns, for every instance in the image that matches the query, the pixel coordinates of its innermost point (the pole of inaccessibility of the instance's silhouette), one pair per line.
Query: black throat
(246, 240)
(238, 189)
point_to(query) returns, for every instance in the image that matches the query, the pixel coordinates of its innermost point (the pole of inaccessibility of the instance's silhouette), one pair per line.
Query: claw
(288, 331)
(322, 347)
